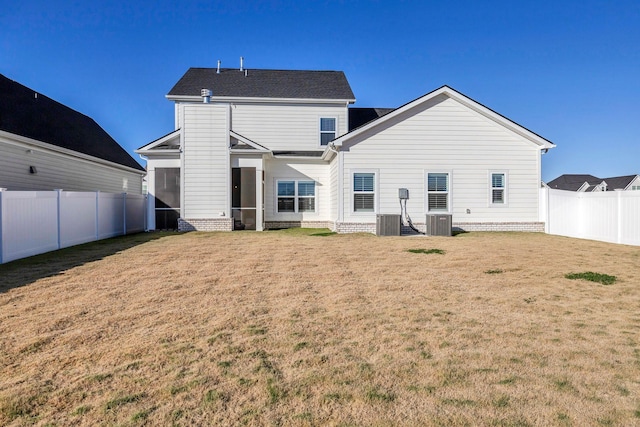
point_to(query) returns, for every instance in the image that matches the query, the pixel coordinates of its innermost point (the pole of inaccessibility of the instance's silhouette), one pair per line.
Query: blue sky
(567, 70)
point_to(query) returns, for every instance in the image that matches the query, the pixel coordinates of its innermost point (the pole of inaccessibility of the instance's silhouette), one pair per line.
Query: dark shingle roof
(615, 182)
(574, 182)
(359, 116)
(291, 84)
(27, 113)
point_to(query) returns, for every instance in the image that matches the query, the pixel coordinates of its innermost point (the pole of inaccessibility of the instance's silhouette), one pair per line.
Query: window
(296, 196)
(327, 130)
(498, 185)
(438, 192)
(363, 192)
(635, 187)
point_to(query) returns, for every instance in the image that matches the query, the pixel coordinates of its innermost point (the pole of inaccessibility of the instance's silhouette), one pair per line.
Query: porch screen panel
(167, 198)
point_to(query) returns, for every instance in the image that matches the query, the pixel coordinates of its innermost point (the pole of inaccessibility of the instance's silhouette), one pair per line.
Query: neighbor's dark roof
(292, 84)
(615, 182)
(28, 113)
(359, 116)
(572, 182)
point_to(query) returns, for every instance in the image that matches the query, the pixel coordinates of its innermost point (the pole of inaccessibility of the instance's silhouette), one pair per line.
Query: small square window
(327, 130)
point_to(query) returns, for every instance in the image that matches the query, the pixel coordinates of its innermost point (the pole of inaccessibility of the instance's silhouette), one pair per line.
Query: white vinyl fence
(34, 222)
(609, 216)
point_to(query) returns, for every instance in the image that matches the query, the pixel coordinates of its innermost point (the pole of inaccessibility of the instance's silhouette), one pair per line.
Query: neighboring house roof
(571, 182)
(449, 92)
(616, 182)
(359, 116)
(256, 83)
(578, 182)
(30, 114)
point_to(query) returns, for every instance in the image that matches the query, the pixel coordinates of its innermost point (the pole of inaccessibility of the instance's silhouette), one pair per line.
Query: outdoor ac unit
(388, 225)
(439, 225)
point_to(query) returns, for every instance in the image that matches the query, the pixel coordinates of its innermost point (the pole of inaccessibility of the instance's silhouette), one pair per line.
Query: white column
(259, 199)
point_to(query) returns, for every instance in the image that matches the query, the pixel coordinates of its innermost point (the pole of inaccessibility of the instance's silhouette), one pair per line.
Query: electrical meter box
(403, 193)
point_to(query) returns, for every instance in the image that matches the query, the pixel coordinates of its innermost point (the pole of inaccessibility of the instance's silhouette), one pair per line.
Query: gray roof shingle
(43, 119)
(290, 84)
(573, 182)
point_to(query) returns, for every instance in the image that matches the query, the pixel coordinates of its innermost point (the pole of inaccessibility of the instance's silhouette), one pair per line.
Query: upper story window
(327, 130)
(498, 188)
(296, 196)
(635, 187)
(438, 192)
(364, 192)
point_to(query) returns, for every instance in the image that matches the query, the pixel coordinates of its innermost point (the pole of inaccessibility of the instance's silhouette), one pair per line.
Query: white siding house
(489, 166)
(271, 149)
(45, 145)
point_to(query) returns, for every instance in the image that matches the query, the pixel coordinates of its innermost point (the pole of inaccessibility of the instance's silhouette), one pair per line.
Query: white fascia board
(19, 140)
(228, 99)
(159, 141)
(159, 153)
(451, 93)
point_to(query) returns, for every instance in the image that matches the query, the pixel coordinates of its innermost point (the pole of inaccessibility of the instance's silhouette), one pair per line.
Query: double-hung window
(498, 193)
(498, 184)
(364, 192)
(327, 130)
(296, 196)
(438, 192)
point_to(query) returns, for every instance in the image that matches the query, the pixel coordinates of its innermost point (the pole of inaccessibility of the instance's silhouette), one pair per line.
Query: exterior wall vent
(388, 225)
(439, 224)
(206, 95)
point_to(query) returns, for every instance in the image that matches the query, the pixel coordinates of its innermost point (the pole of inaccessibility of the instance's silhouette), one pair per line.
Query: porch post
(259, 198)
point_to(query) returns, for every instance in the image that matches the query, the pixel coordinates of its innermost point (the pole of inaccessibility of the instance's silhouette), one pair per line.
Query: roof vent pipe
(206, 95)
(218, 72)
(241, 63)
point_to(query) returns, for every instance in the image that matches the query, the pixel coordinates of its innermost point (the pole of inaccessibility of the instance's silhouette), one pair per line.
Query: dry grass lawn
(304, 328)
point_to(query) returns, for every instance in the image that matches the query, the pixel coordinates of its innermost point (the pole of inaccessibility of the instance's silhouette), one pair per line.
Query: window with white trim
(296, 196)
(327, 130)
(438, 192)
(364, 192)
(498, 188)
(635, 187)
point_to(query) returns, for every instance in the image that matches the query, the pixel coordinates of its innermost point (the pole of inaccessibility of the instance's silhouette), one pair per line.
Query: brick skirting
(205, 224)
(534, 227)
(226, 224)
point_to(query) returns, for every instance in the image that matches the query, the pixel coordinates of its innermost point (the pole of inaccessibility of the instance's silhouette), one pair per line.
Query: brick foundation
(534, 227)
(205, 224)
(271, 225)
(354, 227)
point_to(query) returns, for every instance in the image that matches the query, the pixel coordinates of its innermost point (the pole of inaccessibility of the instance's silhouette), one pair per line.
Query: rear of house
(454, 156)
(256, 149)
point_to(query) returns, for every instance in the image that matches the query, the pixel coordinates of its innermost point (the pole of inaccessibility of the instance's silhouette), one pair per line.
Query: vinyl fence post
(2, 190)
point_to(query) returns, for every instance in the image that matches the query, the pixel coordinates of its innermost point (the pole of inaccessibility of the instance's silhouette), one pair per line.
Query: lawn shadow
(27, 270)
